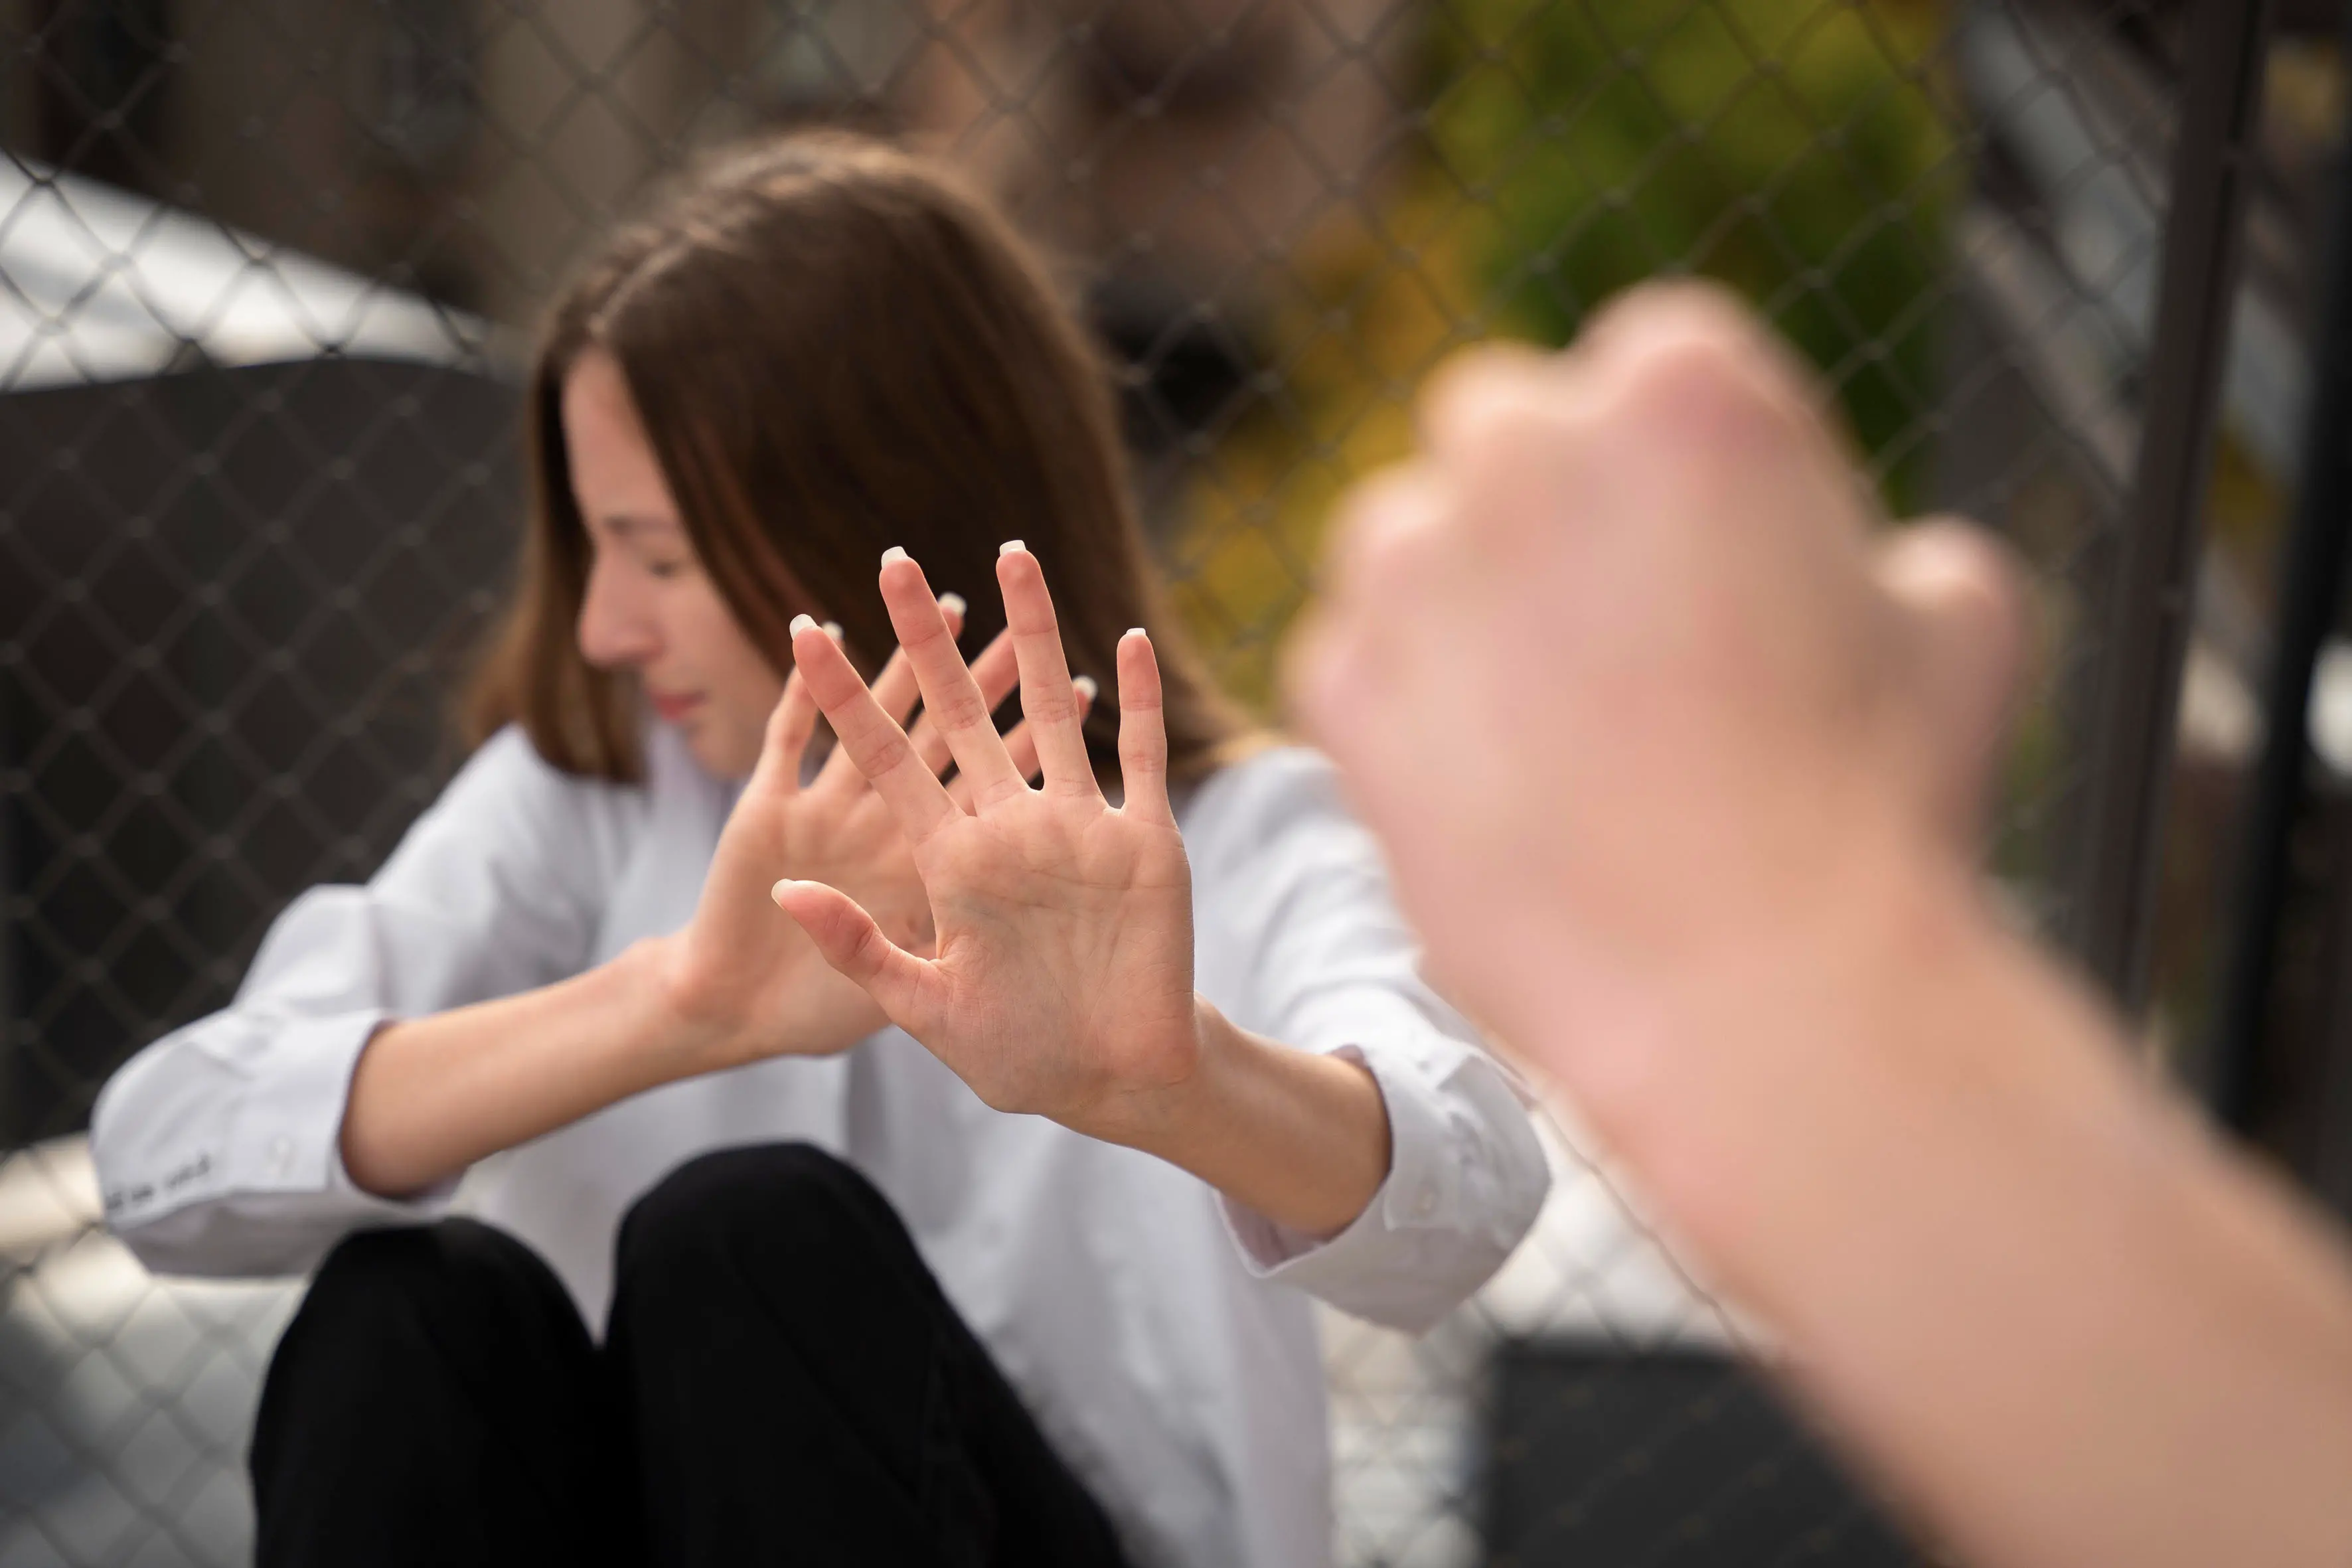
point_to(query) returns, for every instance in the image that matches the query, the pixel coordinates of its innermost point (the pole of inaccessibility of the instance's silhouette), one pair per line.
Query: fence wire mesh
(266, 267)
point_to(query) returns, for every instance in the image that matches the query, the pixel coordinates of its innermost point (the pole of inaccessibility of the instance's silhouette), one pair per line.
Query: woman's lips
(674, 709)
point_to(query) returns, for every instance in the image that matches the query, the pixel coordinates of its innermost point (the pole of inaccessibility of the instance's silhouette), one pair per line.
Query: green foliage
(1793, 149)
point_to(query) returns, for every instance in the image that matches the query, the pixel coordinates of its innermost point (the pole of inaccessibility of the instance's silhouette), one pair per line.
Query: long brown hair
(835, 348)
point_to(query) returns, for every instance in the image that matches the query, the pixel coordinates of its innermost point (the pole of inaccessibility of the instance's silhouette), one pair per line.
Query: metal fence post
(2150, 593)
(2310, 594)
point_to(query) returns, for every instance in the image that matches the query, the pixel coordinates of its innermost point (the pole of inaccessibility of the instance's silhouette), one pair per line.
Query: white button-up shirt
(1160, 1334)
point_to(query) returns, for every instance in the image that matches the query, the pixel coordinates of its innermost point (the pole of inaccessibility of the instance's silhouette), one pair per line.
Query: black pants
(783, 1382)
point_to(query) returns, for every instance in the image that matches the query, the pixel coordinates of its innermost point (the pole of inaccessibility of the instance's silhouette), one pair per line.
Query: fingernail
(776, 893)
(1009, 546)
(1137, 631)
(1087, 687)
(895, 552)
(833, 630)
(803, 623)
(952, 603)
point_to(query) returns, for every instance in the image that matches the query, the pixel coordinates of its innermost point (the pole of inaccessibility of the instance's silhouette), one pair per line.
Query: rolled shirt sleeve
(218, 1147)
(1297, 921)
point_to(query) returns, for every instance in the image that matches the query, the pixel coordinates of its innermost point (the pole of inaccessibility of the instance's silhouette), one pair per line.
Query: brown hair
(835, 348)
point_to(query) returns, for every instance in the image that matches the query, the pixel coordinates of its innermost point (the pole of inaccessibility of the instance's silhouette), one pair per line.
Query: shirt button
(281, 1155)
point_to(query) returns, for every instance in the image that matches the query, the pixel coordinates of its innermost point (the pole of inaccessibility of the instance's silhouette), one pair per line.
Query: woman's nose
(615, 629)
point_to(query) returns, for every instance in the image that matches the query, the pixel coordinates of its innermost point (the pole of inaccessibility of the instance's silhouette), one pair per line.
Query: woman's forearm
(432, 1095)
(1296, 1136)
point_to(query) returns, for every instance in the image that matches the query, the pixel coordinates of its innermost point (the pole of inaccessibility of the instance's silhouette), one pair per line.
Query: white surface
(98, 284)
(124, 1400)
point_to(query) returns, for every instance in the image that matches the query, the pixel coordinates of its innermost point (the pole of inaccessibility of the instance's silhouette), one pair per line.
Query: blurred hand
(1063, 980)
(1621, 678)
(753, 986)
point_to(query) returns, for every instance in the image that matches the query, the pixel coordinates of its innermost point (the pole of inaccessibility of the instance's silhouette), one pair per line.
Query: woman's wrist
(1156, 1115)
(1299, 1136)
(688, 1030)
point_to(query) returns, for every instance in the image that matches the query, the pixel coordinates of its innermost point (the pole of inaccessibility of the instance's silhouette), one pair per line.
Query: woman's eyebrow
(624, 524)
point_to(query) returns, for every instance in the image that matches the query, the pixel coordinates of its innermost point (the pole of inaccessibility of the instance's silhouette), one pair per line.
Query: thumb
(854, 944)
(1963, 597)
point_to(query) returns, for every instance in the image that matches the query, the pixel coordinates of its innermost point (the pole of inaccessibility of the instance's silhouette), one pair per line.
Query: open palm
(760, 982)
(1062, 983)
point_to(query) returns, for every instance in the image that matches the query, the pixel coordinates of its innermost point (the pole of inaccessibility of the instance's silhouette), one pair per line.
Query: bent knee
(788, 1198)
(454, 1287)
(457, 1265)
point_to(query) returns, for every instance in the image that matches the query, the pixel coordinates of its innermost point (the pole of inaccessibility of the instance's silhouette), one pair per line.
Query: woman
(853, 1310)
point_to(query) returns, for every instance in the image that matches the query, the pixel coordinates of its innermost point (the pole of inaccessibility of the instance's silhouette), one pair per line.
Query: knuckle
(870, 749)
(1389, 553)
(1698, 392)
(1681, 307)
(864, 951)
(1462, 391)
(1051, 706)
(962, 708)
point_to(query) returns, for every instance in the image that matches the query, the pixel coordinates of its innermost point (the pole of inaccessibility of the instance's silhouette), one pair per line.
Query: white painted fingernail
(895, 552)
(1009, 546)
(1087, 687)
(1137, 631)
(952, 603)
(833, 630)
(803, 623)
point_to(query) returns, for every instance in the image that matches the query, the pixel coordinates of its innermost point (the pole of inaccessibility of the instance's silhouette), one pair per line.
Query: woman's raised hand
(1062, 983)
(750, 987)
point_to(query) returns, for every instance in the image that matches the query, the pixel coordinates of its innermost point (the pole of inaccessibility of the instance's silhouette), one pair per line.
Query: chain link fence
(266, 267)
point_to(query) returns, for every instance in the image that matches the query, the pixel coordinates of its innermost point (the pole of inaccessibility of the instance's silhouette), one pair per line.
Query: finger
(1048, 699)
(895, 691)
(855, 945)
(996, 674)
(1461, 395)
(1318, 667)
(791, 724)
(875, 746)
(950, 697)
(1021, 744)
(1143, 733)
(1649, 317)
(1387, 533)
(895, 687)
(1963, 610)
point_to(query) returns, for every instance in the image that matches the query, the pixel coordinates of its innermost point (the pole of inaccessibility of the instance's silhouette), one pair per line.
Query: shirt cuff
(284, 1138)
(1420, 1193)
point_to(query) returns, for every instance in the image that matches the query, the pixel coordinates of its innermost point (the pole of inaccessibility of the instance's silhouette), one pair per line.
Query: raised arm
(216, 1146)
(1675, 762)
(1063, 983)
(433, 1095)
(390, 1035)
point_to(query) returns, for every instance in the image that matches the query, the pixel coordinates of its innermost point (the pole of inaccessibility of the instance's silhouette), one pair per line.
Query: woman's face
(650, 607)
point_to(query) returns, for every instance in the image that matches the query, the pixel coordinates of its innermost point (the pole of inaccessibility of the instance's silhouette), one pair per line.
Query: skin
(650, 607)
(1061, 980)
(1301, 1138)
(2061, 1322)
